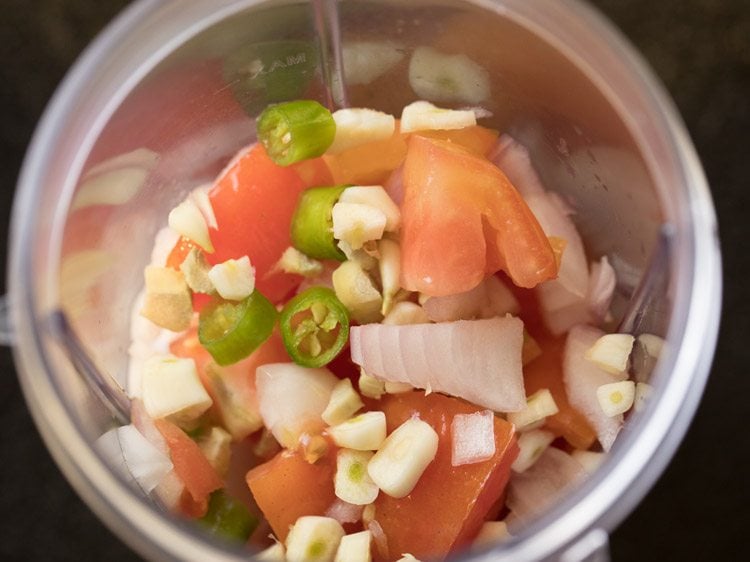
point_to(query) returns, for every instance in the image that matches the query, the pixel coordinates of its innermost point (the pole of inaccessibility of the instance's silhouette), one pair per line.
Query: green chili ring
(230, 331)
(312, 224)
(295, 131)
(311, 340)
(228, 518)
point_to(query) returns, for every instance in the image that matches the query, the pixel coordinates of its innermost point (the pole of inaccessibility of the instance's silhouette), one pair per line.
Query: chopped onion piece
(589, 460)
(292, 399)
(201, 199)
(531, 444)
(472, 437)
(406, 557)
(602, 284)
(365, 432)
(611, 352)
(532, 491)
(128, 450)
(539, 406)
(430, 355)
(345, 512)
(616, 398)
(344, 403)
(352, 483)
(313, 538)
(217, 448)
(379, 538)
(355, 548)
(643, 393)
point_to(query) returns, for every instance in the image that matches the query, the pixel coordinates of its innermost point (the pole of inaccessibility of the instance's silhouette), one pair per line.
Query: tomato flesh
(449, 504)
(254, 201)
(462, 220)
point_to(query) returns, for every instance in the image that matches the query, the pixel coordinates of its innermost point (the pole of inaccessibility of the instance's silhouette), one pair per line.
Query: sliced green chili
(312, 224)
(295, 130)
(231, 331)
(228, 518)
(315, 327)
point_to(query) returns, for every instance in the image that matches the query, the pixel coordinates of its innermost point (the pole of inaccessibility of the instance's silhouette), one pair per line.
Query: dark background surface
(700, 507)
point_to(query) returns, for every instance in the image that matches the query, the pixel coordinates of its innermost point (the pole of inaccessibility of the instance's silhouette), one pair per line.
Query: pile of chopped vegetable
(326, 370)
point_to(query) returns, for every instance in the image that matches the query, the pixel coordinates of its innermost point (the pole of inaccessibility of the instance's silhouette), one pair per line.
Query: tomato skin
(253, 201)
(449, 504)
(462, 220)
(288, 487)
(191, 466)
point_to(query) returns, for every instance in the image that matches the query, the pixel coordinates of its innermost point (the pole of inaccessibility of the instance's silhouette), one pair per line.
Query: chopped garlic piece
(356, 126)
(539, 406)
(403, 457)
(234, 279)
(643, 392)
(173, 390)
(216, 447)
(274, 553)
(187, 220)
(361, 256)
(611, 352)
(195, 268)
(393, 387)
(344, 403)
(491, 532)
(589, 460)
(531, 444)
(365, 61)
(355, 223)
(355, 548)
(294, 261)
(422, 116)
(352, 483)
(168, 303)
(616, 398)
(368, 514)
(390, 272)
(365, 432)
(376, 197)
(652, 344)
(443, 77)
(406, 312)
(370, 386)
(355, 289)
(472, 437)
(313, 538)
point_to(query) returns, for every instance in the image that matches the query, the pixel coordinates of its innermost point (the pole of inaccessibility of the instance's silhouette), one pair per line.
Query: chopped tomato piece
(191, 466)
(463, 219)
(370, 163)
(477, 139)
(254, 201)
(449, 504)
(546, 372)
(288, 487)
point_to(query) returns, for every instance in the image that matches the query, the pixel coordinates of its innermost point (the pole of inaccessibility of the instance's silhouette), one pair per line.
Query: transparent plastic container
(167, 94)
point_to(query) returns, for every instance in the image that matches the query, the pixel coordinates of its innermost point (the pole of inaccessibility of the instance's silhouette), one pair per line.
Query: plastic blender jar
(168, 93)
